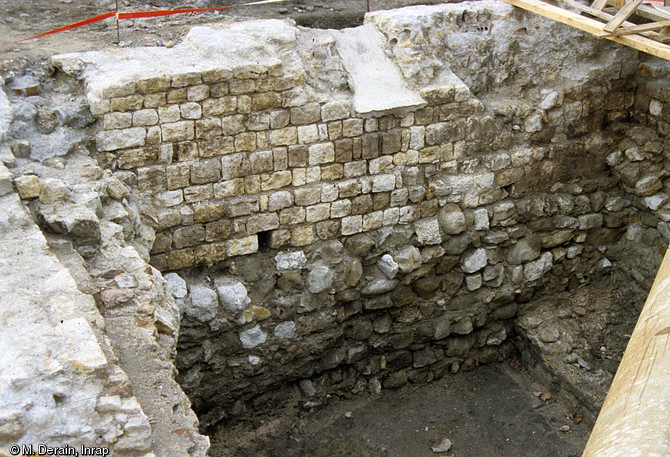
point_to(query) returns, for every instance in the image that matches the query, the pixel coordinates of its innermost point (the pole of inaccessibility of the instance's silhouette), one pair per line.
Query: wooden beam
(599, 4)
(635, 418)
(608, 17)
(592, 26)
(639, 28)
(623, 14)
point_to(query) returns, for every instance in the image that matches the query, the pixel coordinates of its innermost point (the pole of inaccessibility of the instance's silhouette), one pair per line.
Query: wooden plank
(592, 26)
(599, 4)
(635, 418)
(640, 28)
(653, 13)
(623, 14)
(608, 17)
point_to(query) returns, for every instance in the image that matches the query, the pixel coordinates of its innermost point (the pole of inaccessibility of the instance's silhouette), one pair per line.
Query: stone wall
(308, 244)
(358, 251)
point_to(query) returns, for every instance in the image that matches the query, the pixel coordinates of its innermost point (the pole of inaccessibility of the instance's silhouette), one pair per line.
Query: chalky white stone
(253, 337)
(388, 266)
(203, 303)
(233, 296)
(474, 261)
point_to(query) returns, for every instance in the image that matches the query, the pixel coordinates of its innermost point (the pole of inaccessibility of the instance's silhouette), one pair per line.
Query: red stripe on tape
(159, 13)
(90, 20)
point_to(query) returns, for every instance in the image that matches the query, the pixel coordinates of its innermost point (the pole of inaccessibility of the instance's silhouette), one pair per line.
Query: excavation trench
(339, 256)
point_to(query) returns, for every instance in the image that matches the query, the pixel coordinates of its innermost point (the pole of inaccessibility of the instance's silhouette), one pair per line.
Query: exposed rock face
(348, 250)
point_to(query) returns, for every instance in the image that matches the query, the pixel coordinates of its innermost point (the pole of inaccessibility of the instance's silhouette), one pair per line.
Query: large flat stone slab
(377, 82)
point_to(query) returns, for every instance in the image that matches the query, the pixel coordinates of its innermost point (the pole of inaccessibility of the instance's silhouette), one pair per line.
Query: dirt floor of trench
(492, 411)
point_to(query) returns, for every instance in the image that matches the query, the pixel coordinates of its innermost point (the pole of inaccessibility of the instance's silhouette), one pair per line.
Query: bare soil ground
(493, 411)
(22, 19)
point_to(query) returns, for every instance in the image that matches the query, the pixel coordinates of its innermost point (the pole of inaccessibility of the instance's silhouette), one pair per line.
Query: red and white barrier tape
(137, 15)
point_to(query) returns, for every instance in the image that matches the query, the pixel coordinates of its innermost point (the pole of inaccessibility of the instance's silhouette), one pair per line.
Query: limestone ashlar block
(292, 216)
(144, 117)
(349, 188)
(190, 110)
(152, 85)
(208, 128)
(354, 169)
(308, 134)
(169, 113)
(183, 237)
(152, 178)
(219, 106)
(135, 158)
(352, 225)
(208, 212)
(182, 258)
(334, 130)
(119, 90)
(334, 111)
(305, 196)
(216, 75)
(242, 206)
(361, 204)
(178, 131)
(332, 172)
(195, 194)
(302, 236)
(196, 93)
(383, 183)
(299, 177)
(218, 90)
(381, 165)
(261, 162)
(176, 96)
(391, 217)
(242, 246)
(340, 208)
(229, 188)
(185, 151)
(372, 220)
(235, 166)
(307, 114)
(276, 180)
(262, 222)
(283, 137)
(370, 146)
(391, 141)
(258, 121)
(319, 212)
(298, 156)
(117, 120)
(279, 119)
(186, 79)
(245, 142)
(244, 104)
(252, 184)
(112, 140)
(280, 156)
(210, 253)
(168, 198)
(321, 153)
(265, 101)
(352, 127)
(408, 158)
(218, 230)
(246, 86)
(129, 103)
